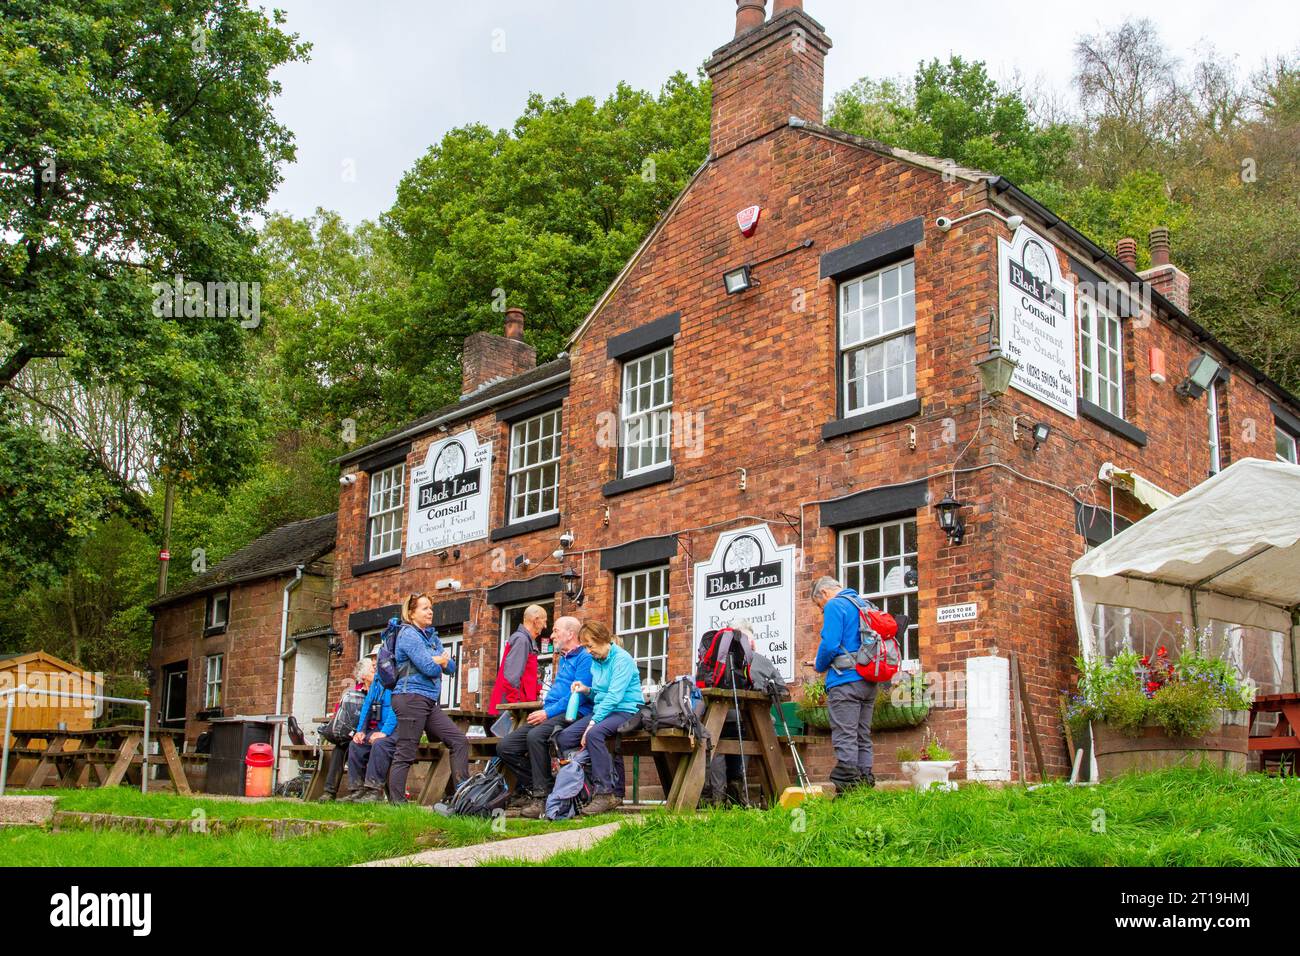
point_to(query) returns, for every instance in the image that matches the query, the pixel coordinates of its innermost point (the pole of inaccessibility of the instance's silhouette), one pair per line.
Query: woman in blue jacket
(421, 662)
(370, 753)
(615, 692)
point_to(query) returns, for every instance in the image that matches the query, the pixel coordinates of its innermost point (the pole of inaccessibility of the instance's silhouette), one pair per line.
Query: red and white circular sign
(164, 555)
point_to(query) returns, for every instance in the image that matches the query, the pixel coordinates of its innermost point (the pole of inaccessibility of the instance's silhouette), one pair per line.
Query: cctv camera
(567, 539)
(1014, 222)
(944, 223)
(347, 479)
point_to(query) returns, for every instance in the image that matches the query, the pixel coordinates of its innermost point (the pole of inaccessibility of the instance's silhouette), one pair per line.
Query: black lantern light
(950, 519)
(572, 583)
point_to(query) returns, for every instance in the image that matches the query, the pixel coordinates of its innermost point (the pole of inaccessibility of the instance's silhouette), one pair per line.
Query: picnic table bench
(682, 764)
(1283, 742)
(435, 754)
(71, 757)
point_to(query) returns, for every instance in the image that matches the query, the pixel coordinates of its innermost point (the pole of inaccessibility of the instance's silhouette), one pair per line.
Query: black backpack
(482, 794)
(674, 706)
(724, 657)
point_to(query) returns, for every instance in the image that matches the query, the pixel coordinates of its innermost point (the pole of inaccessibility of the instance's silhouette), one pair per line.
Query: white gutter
(279, 676)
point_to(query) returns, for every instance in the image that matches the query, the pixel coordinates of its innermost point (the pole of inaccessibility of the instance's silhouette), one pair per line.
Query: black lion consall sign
(450, 494)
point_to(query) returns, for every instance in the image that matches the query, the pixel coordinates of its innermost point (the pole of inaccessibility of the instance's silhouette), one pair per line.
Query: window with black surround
(875, 328)
(878, 339)
(384, 521)
(875, 560)
(217, 614)
(533, 478)
(646, 414)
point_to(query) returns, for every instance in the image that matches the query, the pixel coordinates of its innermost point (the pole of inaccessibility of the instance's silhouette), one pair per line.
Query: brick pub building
(831, 396)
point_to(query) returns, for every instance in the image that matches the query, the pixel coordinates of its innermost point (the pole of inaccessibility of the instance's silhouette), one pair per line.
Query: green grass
(1171, 818)
(407, 829)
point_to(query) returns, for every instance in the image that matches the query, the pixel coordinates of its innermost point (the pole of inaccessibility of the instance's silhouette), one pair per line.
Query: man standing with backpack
(850, 699)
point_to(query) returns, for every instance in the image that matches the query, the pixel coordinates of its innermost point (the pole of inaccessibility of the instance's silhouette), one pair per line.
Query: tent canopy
(1228, 551)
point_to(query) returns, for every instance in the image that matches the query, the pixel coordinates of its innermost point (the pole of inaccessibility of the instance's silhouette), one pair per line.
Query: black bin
(231, 737)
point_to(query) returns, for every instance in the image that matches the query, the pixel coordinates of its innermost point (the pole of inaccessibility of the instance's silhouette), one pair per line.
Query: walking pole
(740, 733)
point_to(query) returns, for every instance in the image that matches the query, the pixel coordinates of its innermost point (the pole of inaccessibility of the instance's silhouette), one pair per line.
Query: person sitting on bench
(370, 753)
(615, 693)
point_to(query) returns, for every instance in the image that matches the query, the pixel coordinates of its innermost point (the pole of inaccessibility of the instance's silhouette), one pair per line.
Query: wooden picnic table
(682, 764)
(519, 712)
(434, 754)
(71, 757)
(1284, 741)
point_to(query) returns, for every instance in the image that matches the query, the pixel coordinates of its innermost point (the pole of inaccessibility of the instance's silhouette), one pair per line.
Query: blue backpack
(386, 670)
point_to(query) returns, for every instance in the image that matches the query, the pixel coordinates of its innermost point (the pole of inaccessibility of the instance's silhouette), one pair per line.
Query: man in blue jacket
(526, 749)
(849, 699)
(371, 751)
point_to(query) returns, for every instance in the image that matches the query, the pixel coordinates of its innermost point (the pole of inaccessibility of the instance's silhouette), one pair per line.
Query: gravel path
(525, 848)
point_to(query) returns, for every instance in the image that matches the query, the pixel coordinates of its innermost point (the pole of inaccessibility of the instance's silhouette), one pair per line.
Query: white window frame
(1287, 440)
(212, 683)
(860, 340)
(367, 642)
(633, 608)
(646, 424)
(210, 622)
(526, 480)
(384, 517)
(1100, 384)
(1212, 414)
(903, 558)
(449, 689)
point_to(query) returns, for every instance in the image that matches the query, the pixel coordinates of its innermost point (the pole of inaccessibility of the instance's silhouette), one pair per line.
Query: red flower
(1161, 651)
(1146, 661)
(1152, 687)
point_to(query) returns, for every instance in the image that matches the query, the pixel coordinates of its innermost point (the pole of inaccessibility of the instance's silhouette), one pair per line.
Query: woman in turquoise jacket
(615, 692)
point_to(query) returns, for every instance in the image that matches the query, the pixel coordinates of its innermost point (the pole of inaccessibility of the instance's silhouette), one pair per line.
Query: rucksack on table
(878, 655)
(723, 659)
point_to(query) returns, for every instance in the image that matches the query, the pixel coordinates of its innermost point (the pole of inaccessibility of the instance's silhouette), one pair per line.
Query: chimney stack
(750, 15)
(772, 70)
(1166, 278)
(1126, 251)
(488, 358)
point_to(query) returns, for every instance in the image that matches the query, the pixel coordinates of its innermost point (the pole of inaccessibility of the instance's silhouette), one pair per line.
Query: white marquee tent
(1221, 563)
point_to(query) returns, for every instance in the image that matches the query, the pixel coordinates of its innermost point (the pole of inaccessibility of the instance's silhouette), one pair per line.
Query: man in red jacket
(517, 677)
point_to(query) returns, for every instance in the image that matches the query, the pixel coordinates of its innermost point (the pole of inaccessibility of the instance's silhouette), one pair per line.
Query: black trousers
(416, 715)
(334, 774)
(526, 751)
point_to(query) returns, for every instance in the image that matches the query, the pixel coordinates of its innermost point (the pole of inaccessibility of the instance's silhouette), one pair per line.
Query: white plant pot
(925, 774)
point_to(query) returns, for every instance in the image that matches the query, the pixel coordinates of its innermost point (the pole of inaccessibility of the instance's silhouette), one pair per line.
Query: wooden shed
(38, 669)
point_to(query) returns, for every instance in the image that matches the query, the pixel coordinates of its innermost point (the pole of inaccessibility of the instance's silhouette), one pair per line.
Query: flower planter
(925, 774)
(818, 718)
(1224, 747)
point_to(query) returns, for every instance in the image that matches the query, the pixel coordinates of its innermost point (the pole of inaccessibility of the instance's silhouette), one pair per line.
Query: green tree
(955, 111)
(136, 141)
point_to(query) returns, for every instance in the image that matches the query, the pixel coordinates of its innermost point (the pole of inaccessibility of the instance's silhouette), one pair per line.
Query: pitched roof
(275, 552)
(494, 393)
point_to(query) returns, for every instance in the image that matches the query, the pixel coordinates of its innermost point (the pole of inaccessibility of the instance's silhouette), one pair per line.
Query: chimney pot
(1126, 251)
(515, 324)
(1159, 243)
(750, 15)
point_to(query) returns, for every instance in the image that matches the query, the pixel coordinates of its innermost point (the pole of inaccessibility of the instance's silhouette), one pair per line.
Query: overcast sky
(388, 78)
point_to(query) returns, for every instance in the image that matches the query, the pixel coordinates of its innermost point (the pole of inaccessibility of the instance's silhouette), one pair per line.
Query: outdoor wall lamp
(1201, 373)
(1040, 431)
(950, 519)
(572, 585)
(336, 646)
(995, 368)
(737, 280)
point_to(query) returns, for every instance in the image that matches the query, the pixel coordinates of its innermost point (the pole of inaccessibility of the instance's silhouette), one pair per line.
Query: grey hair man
(850, 700)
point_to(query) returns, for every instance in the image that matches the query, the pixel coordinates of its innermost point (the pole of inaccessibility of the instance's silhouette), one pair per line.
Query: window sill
(643, 480)
(215, 631)
(880, 416)
(378, 564)
(523, 527)
(1099, 416)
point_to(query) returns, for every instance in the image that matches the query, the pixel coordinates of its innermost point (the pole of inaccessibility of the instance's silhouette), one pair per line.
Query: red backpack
(723, 658)
(878, 654)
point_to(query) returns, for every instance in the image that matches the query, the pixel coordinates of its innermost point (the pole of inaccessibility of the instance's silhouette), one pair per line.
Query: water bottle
(571, 713)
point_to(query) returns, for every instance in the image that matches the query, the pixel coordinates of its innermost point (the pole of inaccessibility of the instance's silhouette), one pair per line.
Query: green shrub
(1125, 709)
(1185, 709)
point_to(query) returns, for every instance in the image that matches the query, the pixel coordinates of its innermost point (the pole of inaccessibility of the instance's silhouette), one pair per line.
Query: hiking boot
(519, 799)
(370, 795)
(533, 809)
(353, 795)
(325, 797)
(867, 780)
(601, 803)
